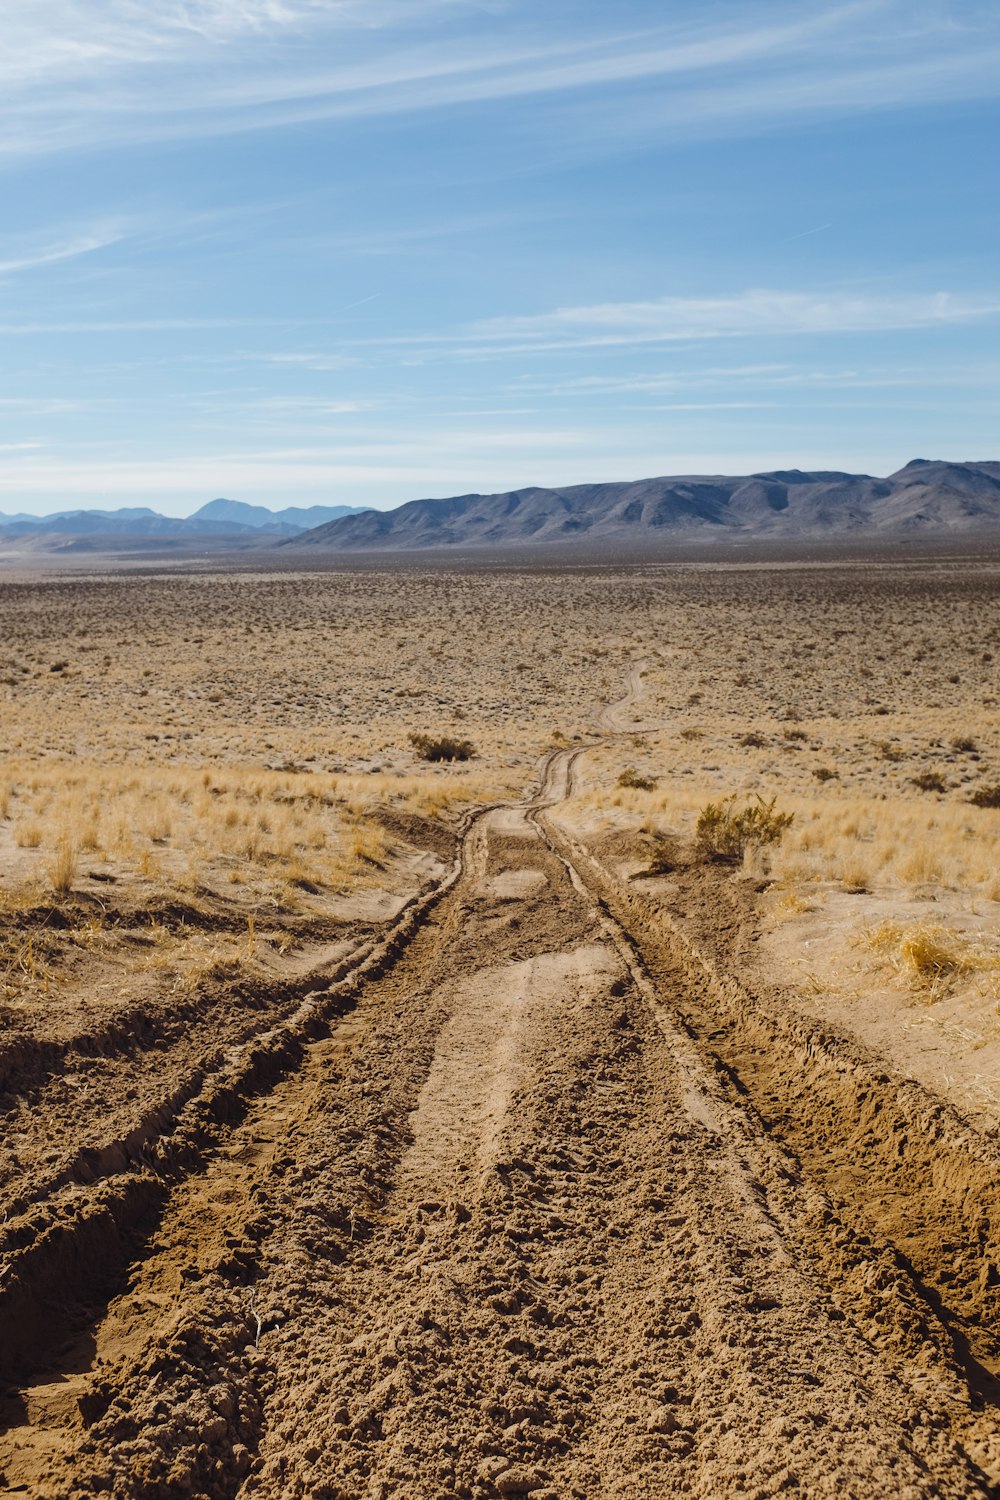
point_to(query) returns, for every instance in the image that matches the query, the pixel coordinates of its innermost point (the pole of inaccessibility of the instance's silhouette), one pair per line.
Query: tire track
(76, 1246)
(923, 1192)
(507, 1226)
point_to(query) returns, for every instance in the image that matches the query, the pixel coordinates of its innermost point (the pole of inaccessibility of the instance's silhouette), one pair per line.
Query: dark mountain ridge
(926, 497)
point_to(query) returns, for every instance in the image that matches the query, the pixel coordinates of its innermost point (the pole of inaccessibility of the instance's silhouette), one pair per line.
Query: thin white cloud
(144, 325)
(712, 406)
(757, 312)
(36, 406)
(300, 361)
(170, 69)
(68, 39)
(28, 258)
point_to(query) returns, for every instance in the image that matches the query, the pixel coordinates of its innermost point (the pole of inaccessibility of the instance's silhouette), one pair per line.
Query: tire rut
(509, 1225)
(898, 1200)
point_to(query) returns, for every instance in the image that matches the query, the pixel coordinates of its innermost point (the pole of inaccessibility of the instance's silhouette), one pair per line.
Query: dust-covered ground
(377, 1125)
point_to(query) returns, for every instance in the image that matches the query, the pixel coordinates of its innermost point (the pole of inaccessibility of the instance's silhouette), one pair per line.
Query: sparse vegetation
(261, 810)
(928, 956)
(986, 796)
(630, 777)
(725, 831)
(442, 747)
(61, 869)
(929, 781)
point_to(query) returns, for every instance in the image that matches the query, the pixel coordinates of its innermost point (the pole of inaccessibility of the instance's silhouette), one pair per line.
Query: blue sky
(360, 251)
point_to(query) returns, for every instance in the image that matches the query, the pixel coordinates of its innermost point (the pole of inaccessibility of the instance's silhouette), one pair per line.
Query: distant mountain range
(219, 524)
(293, 517)
(926, 497)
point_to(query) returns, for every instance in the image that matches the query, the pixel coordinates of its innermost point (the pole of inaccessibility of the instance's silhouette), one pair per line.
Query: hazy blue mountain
(303, 517)
(220, 524)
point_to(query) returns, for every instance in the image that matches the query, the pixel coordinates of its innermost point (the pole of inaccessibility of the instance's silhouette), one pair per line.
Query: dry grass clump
(62, 867)
(930, 957)
(25, 966)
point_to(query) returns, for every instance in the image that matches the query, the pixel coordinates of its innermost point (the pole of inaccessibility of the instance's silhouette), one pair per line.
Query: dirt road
(534, 1199)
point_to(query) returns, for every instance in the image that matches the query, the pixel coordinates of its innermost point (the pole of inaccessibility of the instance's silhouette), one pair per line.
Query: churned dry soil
(511, 1158)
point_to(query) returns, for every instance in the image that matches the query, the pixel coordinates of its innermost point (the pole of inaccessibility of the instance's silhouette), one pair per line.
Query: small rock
(490, 1467)
(518, 1480)
(661, 1420)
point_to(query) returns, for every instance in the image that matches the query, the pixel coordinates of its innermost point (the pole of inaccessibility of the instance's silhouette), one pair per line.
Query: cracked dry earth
(510, 1222)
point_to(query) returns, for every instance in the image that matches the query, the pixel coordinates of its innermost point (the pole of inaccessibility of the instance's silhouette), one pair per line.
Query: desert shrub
(442, 747)
(630, 778)
(826, 773)
(753, 741)
(986, 796)
(964, 744)
(725, 831)
(663, 858)
(929, 781)
(889, 751)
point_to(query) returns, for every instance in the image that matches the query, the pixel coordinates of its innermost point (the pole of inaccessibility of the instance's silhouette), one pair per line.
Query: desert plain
(400, 1099)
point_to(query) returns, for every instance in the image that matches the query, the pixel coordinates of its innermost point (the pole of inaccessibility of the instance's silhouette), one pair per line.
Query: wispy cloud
(29, 256)
(971, 374)
(144, 325)
(299, 360)
(171, 69)
(756, 312)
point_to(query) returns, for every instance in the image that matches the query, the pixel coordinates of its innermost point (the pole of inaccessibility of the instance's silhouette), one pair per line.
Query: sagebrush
(725, 831)
(442, 747)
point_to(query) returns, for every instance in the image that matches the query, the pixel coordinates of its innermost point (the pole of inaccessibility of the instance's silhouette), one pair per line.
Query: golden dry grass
(931, 957)
(248, 739)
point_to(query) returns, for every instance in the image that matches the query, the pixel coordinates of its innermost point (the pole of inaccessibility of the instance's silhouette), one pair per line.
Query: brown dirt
(532, 1181)
(540, 1199)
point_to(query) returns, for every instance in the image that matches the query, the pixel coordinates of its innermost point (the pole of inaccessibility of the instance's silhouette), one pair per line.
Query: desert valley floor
(379, 1125)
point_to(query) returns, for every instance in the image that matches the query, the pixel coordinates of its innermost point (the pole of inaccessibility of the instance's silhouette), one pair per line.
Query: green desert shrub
(725, 830)
(630, 777)
(442, 747)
